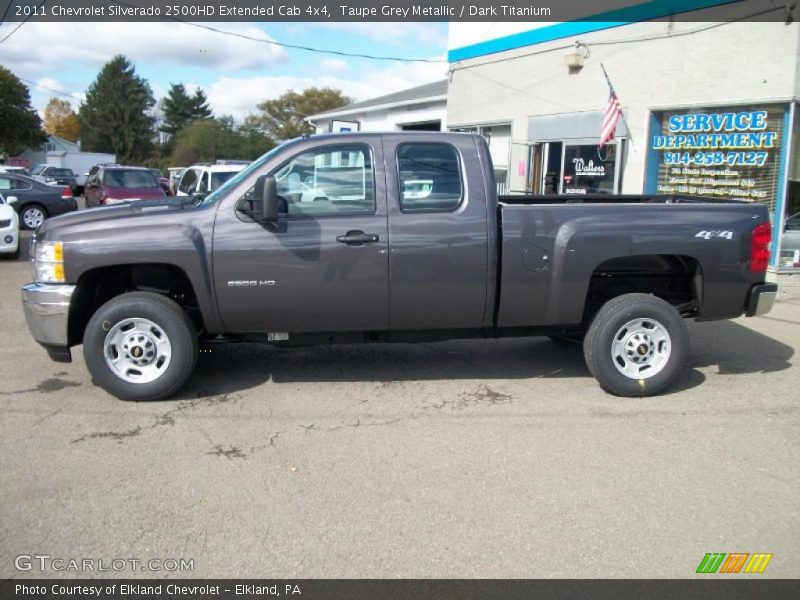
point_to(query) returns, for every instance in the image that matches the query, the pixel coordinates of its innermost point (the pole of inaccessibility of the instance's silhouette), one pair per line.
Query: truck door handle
(357, 238)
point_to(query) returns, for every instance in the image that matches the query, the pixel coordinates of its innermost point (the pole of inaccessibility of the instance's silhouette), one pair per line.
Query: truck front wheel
(636, 345)
(140, 346)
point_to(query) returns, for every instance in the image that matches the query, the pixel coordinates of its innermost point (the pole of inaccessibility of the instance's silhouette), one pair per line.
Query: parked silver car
(790, 243)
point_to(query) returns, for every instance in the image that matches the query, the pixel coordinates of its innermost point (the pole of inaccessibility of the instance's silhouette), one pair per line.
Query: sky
(236, 74)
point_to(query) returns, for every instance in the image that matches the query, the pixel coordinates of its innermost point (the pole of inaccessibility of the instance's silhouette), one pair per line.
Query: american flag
(610, 118)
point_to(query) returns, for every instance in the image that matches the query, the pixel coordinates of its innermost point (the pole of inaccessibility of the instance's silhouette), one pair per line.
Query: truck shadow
(732, 348)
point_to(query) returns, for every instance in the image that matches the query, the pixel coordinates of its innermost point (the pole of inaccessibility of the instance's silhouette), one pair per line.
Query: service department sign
(730, 153)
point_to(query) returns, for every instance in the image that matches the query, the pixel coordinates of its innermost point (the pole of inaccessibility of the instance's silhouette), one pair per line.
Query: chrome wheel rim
(33, 217)
(137, 350)
(641, 348)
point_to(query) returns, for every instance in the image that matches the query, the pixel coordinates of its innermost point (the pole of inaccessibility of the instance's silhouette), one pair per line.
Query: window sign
(589, 169)
(730, 153)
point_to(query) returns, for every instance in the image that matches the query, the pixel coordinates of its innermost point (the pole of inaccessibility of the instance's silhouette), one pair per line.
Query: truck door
(324, 266)
(438, 232)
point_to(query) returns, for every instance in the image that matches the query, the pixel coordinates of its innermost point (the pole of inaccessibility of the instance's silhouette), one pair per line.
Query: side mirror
(266, 191)
(12, 200)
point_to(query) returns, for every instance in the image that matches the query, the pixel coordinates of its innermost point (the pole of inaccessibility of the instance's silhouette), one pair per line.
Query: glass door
(589, 169)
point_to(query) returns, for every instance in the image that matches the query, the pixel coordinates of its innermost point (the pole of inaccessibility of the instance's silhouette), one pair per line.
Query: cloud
(39, 47)
(398, 34)
(45, 88)
(239, 96)
(335, 66)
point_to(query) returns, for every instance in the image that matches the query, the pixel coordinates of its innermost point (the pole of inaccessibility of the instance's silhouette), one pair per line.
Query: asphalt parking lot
(458, 459)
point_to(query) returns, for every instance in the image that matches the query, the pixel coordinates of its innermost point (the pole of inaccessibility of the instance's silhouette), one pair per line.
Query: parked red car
(114, 184)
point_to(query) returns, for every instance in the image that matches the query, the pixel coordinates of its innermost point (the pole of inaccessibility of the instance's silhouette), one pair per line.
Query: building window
(589, 169)
(790, 237)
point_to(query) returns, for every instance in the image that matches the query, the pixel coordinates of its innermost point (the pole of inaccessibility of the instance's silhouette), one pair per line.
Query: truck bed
(560, 254)
(517, 199)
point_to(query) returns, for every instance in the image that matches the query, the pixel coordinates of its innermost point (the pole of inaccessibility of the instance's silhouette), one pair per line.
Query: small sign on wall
(344, 126)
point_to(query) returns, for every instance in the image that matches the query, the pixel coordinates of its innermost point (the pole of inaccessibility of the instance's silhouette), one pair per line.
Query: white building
(422, 108)
(745, 77)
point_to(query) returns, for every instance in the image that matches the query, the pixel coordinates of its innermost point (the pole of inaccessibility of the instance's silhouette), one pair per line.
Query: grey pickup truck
(389, 237)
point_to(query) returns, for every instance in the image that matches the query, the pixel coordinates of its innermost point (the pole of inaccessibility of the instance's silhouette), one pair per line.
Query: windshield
(38, 169)
(254, 166)
(217, 179)
(129, 179)
(156, 173)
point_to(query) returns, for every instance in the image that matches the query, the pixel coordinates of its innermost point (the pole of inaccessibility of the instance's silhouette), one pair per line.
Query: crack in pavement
(231, 452)
(482, 395)
(165, 418)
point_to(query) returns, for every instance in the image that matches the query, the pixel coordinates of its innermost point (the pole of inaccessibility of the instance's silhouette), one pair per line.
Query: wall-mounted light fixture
(574, 60)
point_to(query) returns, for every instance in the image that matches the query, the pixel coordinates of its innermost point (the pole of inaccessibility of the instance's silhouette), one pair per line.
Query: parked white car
(14, 169)
(9, 227)
(201, 180)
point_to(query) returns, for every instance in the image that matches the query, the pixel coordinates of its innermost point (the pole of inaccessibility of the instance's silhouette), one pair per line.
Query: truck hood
(110, 215)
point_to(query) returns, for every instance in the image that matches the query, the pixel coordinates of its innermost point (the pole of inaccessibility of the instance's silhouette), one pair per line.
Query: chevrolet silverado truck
(371, 238)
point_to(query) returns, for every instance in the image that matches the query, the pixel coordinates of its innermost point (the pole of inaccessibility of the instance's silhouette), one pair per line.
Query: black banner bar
(727, 587)
(522, 11)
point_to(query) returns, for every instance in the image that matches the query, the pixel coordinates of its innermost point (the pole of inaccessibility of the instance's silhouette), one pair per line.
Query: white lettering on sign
(582, 168)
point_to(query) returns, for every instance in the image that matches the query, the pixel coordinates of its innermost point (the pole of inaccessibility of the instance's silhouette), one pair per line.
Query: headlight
(48, 262)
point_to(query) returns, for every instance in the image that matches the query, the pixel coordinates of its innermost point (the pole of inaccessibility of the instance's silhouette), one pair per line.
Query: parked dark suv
(115, 184)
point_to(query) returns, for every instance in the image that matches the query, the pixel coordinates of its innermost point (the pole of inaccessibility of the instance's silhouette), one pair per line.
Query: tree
(283, 118)
(115, 117)
(180, 108)
(61, 120)
(20, 125)
(210, 139)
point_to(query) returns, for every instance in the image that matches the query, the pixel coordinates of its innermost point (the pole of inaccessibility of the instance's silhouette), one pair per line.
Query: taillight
(759, 247)
(67, 193)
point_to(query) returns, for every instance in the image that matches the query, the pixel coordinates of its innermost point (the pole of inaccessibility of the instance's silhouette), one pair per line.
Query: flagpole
(622, 112)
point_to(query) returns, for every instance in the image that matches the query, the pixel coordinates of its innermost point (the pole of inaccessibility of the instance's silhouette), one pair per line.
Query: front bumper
(761, 299)
(47, 313)
(9, 233)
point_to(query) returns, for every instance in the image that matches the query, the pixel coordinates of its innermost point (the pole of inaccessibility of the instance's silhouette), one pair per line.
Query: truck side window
(332, 180)
(187, 181)
(430, 177)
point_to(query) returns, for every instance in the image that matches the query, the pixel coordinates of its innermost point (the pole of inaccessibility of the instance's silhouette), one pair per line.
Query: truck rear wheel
(140, 346)
(636, 345)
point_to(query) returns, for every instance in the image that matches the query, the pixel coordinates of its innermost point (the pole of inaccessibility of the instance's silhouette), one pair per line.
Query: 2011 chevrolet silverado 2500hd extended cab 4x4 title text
(389, 237)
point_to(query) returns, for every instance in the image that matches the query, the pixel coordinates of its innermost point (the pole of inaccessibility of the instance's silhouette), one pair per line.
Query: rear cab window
(429, 174)
(129, 178)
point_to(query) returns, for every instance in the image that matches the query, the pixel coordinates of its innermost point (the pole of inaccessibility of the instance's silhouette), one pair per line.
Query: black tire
(612, 317)
(26, 208)
(168, 316)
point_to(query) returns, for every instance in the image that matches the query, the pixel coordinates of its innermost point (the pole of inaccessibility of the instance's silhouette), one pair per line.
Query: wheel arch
(97, 286)
(675, 278)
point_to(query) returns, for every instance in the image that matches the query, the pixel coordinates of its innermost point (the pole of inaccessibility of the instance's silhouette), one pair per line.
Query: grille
(5, 222)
